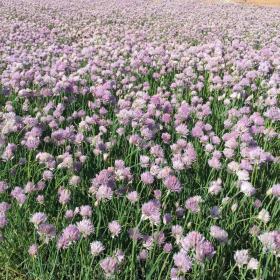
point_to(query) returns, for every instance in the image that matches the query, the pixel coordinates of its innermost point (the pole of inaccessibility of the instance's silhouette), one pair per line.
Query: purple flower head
(134, 234)
(144, 161)
(191, 240)
(18, 194)
(258, 203)
(204, 250)
(276, 190)
(215, 187)
(104, 193)
(75, 180)
(70, 235)
(253, 264)
(215, 163)
(167, 218)
(96, 248)
(85, 227)
(166, 138)
(9, 152)
(69, 214)
(132, 196)
(192, 204)
(85, 211)
(219, 234)
(109, 266)
(271, 241)
(241, 257)
(151, 211)
(177, 231)
(33, 250)
(3, 186)
(4, 207)
(47, 175)
(167, 247)
(119, 255)
(157, 194)
(3, 220)
(182, 262)
(64, 196)
(38, 218)
(247, 188)
(114, 228)
(172, 183)
(147, 178)
(148, 242)
(47, 232)
(180, 212)
(143, 255)
(29, 187)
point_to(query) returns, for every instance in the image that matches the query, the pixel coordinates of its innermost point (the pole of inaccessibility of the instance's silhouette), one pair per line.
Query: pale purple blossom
(70, 235)
(96, 248)
(193, 204)
(114, 228)
(218, 233)
(109, 265)
(132, 196)
(172, 183)
(33, 250)
(151, 211)
(38, 218)
(85, 227)
(182, 262)
(241, 257)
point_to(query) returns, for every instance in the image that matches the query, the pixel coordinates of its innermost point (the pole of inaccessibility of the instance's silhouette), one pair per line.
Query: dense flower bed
(139, 140)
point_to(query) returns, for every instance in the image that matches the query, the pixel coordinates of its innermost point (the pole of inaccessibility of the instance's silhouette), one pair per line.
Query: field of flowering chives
(139, 140)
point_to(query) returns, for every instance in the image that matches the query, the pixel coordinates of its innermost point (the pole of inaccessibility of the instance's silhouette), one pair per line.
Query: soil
(260, 2)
